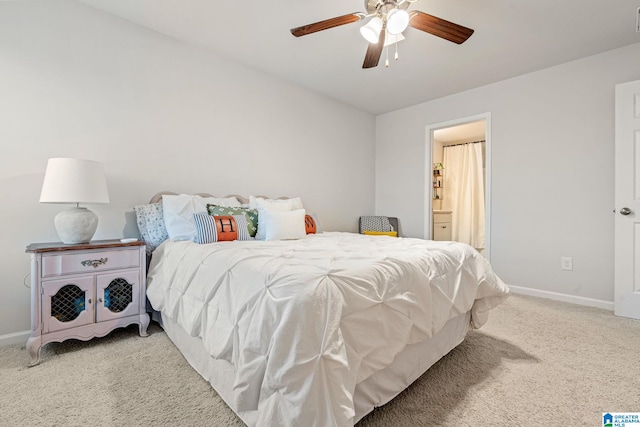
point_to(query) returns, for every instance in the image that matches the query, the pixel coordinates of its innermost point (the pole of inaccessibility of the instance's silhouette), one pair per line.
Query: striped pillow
(220, 228)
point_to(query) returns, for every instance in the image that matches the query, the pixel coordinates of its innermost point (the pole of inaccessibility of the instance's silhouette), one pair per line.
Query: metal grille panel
(118, 295)
(68, 303)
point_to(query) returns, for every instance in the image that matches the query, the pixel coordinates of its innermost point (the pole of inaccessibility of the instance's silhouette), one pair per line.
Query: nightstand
(85, 290)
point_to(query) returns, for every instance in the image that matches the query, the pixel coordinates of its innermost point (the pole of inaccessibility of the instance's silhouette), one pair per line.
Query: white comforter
(304, 321)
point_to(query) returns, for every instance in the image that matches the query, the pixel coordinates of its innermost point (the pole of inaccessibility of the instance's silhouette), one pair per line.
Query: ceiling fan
(392, 17)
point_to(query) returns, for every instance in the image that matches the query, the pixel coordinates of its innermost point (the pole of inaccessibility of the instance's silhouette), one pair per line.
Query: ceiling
(512, 37)
(474, 131)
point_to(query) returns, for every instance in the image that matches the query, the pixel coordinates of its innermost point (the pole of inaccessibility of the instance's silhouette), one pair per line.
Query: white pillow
(283, 225)
(289, 204)
(179, 210)
(296, 203)
(272, 204)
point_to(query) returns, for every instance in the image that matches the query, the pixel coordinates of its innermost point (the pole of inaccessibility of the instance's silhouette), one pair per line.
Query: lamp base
(76, 225)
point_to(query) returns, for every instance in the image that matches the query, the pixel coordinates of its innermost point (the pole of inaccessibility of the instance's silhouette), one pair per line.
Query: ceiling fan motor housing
(381, 7)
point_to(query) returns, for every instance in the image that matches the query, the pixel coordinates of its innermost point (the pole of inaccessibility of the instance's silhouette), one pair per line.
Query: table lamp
(75, 181)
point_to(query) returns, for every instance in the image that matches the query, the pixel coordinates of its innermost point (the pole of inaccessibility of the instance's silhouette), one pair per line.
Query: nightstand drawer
(70, 263)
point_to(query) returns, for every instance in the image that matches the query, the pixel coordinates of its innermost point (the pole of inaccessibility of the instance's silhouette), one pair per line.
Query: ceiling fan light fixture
(371, 31)
(397, 21)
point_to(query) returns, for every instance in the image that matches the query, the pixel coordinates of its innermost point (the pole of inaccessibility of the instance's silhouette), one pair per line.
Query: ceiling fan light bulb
(397, 21)
(371, 31)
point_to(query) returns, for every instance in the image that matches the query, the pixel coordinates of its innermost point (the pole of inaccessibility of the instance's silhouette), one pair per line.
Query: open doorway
(457, 182)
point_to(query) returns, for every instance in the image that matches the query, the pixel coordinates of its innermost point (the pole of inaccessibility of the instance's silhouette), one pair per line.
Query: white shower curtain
(463, 192)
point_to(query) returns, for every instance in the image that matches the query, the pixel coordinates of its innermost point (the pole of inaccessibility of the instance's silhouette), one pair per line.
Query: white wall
(75, 82)
(552, 170)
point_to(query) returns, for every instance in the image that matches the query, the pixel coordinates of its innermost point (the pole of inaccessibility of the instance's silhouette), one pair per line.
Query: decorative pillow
(283, 225)
(280, 204)
(250, 214)
(179, 210)
(310, 224)
(274, 205)
(317, 221)
(375, 223)
(381, 233)
(220, 228)
(150, 221)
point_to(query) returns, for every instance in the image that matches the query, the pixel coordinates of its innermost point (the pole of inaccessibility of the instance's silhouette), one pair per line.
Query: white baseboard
(14, 338)
(589, 302)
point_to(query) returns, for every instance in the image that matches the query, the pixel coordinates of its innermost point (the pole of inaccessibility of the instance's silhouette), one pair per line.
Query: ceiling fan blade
(439, 27)
(374, 50)
(327, 23)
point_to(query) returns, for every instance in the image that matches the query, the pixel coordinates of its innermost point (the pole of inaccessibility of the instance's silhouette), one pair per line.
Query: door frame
(626, 278)
(428, 201)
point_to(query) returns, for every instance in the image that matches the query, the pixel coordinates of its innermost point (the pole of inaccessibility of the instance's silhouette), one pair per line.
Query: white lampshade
(397, 21)
(75, 181)
(371, 31)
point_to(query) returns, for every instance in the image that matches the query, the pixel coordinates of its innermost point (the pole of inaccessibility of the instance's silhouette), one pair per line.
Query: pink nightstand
(85, 290)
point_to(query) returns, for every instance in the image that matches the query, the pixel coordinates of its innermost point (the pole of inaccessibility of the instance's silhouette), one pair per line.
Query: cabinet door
(67, 303)
(118, 295)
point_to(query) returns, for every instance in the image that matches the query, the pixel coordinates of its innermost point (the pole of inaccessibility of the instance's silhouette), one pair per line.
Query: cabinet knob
(625, 211)
(89, 301)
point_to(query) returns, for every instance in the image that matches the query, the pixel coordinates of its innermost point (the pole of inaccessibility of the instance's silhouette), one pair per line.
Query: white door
(627, 200)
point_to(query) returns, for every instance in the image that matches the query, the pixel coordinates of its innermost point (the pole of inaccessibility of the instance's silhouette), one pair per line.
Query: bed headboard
(157, 198)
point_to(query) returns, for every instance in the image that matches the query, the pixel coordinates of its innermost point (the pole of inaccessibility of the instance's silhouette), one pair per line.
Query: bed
(320, 330)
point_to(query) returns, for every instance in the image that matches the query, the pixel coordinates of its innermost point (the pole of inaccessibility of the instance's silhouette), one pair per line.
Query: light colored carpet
(536, 362)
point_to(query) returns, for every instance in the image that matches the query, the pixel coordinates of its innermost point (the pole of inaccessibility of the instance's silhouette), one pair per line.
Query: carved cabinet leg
(144, 324)
(33, 348)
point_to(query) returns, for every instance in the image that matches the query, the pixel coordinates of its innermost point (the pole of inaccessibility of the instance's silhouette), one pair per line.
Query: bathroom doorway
(457, 181)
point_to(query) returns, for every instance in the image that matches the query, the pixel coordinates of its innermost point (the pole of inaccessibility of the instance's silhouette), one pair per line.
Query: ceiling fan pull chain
(396, 48)
(386, 62)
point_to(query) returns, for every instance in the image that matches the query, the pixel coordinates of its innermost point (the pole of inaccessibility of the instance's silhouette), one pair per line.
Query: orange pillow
(310, 225)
